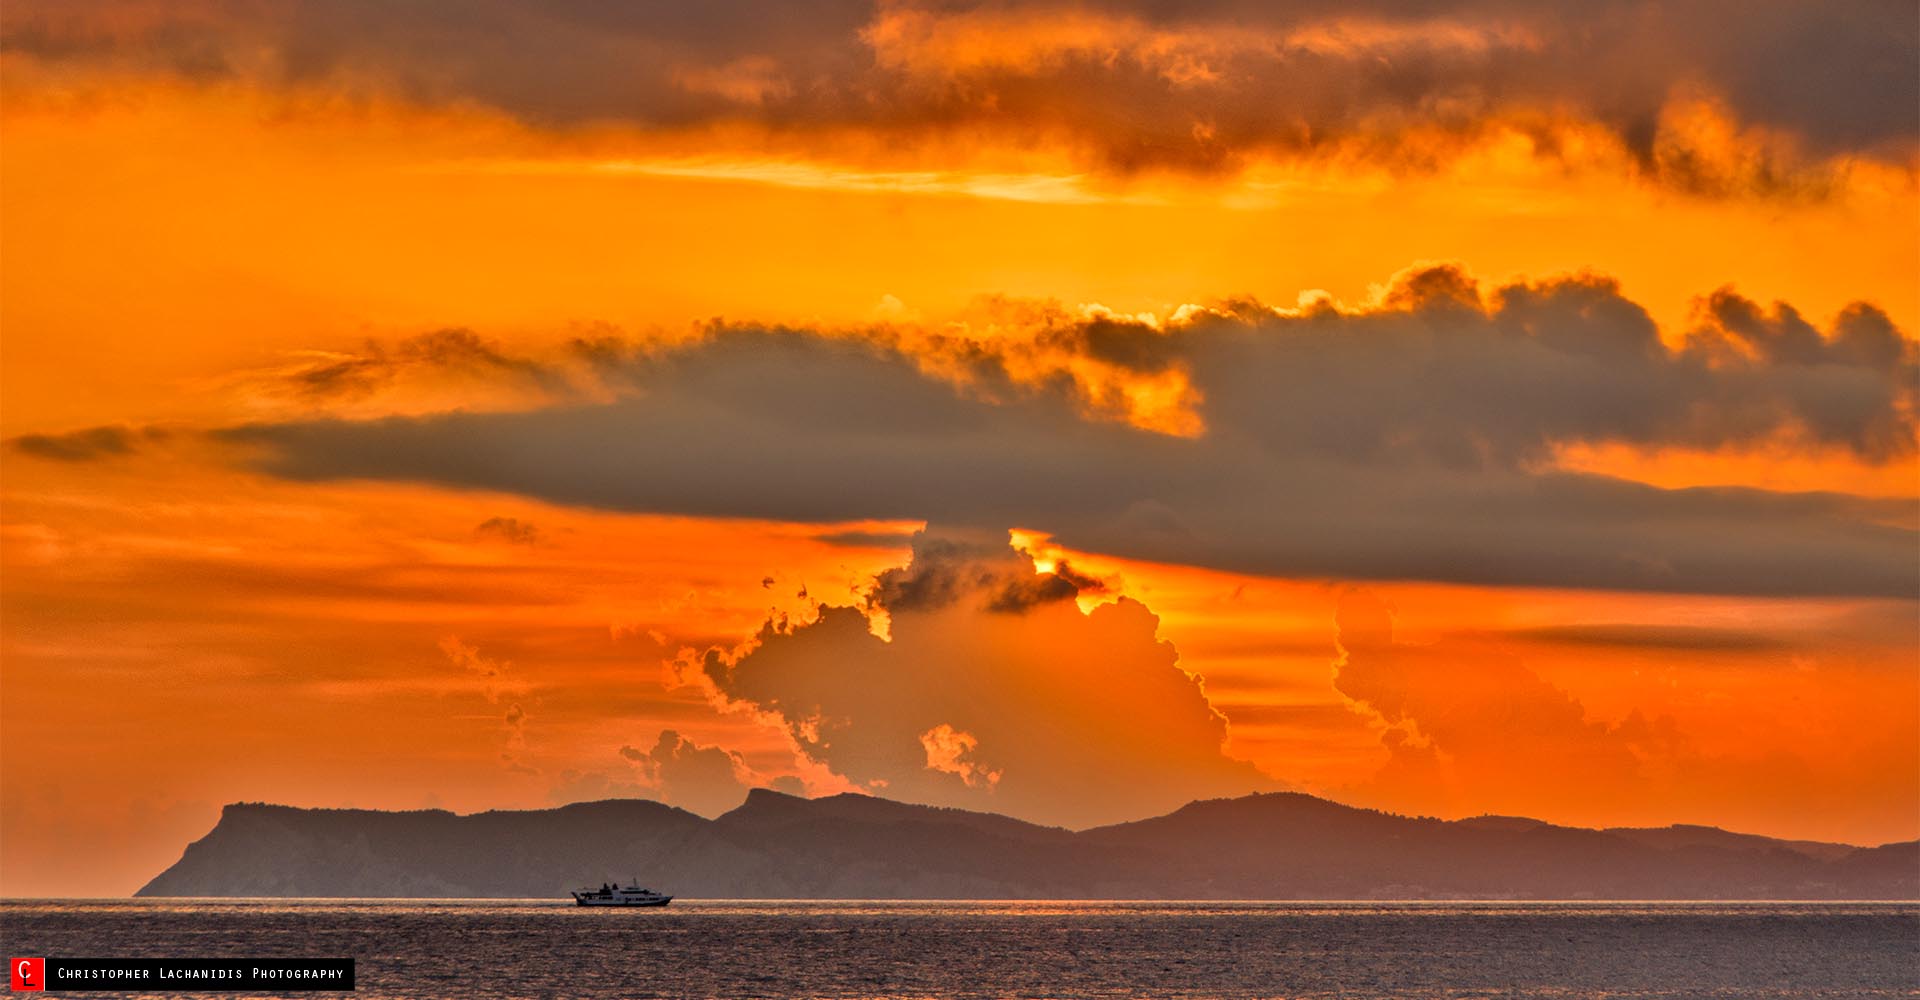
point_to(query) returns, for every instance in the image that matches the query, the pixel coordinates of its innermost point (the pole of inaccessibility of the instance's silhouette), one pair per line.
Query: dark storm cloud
(1401, 443)
(950, 567)
(867, 539)
(1571, 360)
(1666, 638)
(77, 446)
(1196, 85)
(945, 572)
(88, 445)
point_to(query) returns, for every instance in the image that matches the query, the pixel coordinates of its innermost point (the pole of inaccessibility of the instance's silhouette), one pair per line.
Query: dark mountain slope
(266, 850)
(1273, 846)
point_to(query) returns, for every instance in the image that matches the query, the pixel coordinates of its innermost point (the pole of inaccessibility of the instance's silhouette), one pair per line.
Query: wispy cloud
(1058, 189)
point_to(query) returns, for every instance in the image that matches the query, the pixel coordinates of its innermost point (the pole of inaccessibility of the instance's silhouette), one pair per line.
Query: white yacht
(615, 894)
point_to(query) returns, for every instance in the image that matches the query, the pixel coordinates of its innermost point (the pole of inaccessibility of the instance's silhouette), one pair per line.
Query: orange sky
(186, 623)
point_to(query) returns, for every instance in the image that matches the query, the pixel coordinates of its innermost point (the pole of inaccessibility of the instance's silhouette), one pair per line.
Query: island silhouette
(777, 846)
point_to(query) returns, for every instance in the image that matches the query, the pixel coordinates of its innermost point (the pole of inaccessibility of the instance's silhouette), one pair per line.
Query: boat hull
(580, 900)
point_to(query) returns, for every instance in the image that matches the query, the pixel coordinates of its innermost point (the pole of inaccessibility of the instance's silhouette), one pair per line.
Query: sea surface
(712, 948)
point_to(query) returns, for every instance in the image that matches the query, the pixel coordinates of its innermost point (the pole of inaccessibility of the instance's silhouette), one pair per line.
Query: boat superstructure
(615, 894)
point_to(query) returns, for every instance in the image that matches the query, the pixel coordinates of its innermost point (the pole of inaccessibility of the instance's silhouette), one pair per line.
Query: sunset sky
(1067, 410)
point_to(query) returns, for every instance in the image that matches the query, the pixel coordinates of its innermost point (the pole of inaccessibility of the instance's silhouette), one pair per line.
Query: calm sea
(495, 948)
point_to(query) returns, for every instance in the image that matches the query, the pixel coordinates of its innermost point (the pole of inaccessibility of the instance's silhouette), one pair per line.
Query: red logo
(28, 973)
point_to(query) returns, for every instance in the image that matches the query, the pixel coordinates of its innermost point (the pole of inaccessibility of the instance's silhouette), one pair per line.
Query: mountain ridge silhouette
(1275, 845)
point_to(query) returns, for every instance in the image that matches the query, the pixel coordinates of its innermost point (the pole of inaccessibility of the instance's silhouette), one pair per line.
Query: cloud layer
(1409, 440)
(1199, 84)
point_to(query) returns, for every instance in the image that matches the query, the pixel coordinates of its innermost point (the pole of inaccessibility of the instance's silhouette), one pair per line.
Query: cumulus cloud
(1411, 439)
(1198, 84)
(677, 770)
(1480, 724)
(1029, 706)
(788, 784)
(699, 779)
(594, 786)
(951, 750)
